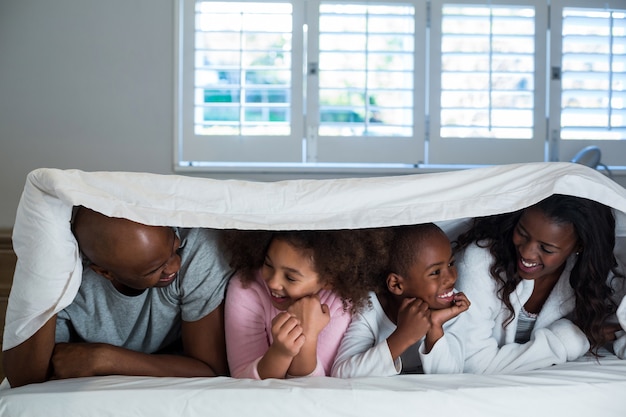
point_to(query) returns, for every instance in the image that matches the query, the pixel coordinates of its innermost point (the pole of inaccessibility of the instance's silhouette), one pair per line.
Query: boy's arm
(29, 362)
(413, 324)
(439, 317)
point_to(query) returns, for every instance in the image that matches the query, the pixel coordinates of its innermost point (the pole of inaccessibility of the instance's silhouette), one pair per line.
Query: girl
(289, 305)
(540, 282)
(403, 332)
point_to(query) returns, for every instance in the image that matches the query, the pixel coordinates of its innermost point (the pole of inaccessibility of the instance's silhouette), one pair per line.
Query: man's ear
(395, 284)
(101, 271)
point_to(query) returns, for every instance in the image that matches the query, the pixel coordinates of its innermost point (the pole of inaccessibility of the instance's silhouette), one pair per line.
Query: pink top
(248, 320)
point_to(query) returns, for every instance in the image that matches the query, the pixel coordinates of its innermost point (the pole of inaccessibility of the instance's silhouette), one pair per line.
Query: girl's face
(289, 275)
(542, 245)
(433, 276)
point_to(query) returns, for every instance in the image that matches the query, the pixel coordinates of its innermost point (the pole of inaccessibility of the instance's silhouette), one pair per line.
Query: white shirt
(364, 350)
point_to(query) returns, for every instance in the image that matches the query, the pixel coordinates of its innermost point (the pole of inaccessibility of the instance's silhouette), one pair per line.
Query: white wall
(84, 84)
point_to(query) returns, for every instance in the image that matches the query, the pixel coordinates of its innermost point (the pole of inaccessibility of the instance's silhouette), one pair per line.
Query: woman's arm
(556, 343)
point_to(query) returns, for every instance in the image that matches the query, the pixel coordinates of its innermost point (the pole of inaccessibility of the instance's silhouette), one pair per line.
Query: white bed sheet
(583, 388)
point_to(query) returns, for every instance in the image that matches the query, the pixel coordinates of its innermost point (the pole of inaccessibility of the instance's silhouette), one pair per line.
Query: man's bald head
(124, 250)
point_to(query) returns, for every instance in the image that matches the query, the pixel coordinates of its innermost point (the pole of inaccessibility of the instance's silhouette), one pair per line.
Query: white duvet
(48, 274)
(48, 269)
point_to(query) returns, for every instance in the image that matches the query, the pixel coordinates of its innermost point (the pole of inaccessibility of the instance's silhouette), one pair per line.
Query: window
(588, 84)
(486, 72)
(361, 86)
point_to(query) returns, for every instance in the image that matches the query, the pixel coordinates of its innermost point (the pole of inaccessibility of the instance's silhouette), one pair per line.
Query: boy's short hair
(407, 243)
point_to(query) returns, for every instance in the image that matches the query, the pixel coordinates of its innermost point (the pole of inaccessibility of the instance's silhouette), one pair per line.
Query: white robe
(490, 347)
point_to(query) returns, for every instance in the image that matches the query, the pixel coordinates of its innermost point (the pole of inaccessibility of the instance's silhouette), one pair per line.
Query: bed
(48, 273)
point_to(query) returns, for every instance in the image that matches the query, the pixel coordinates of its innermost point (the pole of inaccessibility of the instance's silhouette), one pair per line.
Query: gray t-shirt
(150, 321)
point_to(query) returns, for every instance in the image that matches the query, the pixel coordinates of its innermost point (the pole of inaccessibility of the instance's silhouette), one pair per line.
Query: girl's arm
(245, 318)
(288, 340)
(314, 317)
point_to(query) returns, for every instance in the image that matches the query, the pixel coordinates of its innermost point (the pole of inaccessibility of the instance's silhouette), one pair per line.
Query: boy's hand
(413, 319)
(459, 305)
(412, 324)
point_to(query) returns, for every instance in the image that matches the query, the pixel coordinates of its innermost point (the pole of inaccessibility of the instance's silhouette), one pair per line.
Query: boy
(403, 331)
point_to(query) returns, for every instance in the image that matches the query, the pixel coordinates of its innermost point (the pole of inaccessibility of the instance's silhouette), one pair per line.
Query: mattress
(583, 388)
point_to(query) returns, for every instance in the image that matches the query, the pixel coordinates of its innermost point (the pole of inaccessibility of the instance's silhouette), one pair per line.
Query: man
(150, 303)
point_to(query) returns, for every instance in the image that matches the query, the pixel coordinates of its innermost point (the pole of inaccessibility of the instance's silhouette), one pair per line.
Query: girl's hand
(459, 305)
(287, 333)
(312, 315)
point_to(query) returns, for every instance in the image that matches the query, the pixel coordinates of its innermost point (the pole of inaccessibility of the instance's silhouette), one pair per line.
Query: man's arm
(29, 362)
(203, 343)
(204, 340)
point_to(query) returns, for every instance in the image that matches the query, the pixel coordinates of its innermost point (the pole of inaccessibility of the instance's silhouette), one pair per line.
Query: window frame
(613, 151)
(304, 152)
(487, 151)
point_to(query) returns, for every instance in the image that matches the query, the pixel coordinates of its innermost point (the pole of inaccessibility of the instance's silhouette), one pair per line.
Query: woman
(540, 280)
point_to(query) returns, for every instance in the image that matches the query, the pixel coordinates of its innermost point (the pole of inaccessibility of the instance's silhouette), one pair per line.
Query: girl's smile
(289, 275)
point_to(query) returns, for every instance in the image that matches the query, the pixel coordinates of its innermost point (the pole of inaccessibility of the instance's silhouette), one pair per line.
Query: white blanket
(48, 269)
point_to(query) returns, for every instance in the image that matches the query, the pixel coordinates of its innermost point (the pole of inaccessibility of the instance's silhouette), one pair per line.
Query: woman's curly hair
(350, 260)
(594, 225)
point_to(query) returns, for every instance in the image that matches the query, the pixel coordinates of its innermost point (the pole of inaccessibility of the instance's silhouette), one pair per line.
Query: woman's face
(542, 245)
(289, 275)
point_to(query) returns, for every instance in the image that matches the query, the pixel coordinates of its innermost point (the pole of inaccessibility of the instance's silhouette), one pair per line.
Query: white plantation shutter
(362, 95)
(239, 84)
(487, 72)
(589, 79)
(394, 86)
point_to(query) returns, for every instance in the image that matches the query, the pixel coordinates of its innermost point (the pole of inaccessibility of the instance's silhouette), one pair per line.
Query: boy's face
(433, 275)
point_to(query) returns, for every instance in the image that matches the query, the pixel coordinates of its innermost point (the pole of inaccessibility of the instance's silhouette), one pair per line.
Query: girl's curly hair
(594, 225)
(350, 260)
